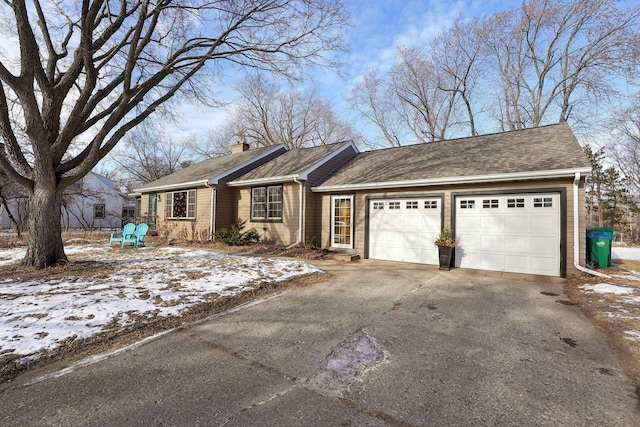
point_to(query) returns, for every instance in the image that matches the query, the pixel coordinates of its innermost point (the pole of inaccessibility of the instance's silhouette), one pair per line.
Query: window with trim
(431, 204)
(467, 204)
(394, 205)
(542, 202)
(180, 204)
(378, 205)
(266, 203)
(98, 211)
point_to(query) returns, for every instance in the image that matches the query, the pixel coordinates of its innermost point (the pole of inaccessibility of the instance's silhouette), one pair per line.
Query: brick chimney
(239, 147)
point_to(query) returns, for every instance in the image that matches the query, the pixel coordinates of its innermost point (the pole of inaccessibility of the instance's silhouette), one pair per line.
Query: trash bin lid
(598, 235)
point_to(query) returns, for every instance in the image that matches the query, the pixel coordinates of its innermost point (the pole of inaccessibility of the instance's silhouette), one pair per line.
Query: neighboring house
(196, 200)
(515, 200)
(93, 202)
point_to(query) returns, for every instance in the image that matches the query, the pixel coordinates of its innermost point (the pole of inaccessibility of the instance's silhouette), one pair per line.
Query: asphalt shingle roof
(207, 169)
(292, 162)
(544, 148)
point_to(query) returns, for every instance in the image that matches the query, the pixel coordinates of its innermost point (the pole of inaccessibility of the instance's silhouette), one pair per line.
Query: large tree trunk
(45, 231)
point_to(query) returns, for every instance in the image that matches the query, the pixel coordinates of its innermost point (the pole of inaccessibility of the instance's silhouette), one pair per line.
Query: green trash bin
(599, 248)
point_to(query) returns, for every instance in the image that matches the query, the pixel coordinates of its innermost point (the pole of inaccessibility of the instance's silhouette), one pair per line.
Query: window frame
(99, 208)
(272, 209)
(350, 198)
(190, 200)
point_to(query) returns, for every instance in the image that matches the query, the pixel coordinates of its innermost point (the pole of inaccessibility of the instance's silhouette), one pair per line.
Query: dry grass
(143, 326)
(610, 313)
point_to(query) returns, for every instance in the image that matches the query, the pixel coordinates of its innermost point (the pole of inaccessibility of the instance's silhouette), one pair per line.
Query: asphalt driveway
(377, 344)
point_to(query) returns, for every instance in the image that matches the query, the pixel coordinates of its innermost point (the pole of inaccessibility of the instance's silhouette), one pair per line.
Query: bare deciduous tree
(86, 73)
(148, 153)
(269, 115)
(626, 150)
(547, 61)
(429, 93)
(553, 58)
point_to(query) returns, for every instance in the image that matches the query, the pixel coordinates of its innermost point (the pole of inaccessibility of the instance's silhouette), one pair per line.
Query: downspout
(212, 214)
(576, 231)
(300, 213)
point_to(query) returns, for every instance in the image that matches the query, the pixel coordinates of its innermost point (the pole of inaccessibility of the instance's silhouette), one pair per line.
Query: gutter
(560, 173)
(212, 215)
(300, 213)
(576, 232)
(264, 181)
(170, 187)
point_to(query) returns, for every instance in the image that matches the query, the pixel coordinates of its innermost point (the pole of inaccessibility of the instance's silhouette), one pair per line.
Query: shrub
(235, 236)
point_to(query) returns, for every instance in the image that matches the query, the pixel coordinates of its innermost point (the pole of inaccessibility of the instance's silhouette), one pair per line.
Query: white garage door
(515, 233)
(404, 229)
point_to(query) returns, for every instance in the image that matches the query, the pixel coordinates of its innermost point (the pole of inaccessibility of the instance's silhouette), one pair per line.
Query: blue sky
(378, 28)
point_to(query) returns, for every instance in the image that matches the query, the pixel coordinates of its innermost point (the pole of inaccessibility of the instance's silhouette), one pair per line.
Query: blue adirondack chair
(138, 237)
(127, 233)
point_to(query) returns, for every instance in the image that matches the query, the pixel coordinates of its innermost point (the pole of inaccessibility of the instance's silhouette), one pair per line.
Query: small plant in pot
(446, 243)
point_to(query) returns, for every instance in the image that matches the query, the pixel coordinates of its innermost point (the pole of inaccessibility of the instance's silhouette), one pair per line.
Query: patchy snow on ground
(36, 316)
(625, 253)
(606, 288)
(633, 335)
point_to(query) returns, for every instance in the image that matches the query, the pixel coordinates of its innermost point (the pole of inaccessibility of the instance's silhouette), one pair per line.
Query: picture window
(180, 204)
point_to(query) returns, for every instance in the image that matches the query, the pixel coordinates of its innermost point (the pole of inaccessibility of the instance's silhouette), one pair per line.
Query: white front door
(516, 233)
(342, 221)
(404, 229)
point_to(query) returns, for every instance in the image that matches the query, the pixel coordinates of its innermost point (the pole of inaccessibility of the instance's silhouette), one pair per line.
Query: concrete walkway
(377, 344)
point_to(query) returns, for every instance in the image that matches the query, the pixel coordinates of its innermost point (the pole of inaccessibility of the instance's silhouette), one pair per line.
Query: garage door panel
(541, 222)
(492, 224)
(544, 244)
(517, 222)
(518, 243)
(407, 233)
(469, 226)
(517, 263)
(517, 233)
(492, 242)
(492, 261)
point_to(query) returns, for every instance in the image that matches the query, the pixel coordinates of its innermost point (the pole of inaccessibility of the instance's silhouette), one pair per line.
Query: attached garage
(518, 233)
(404, 229)
(514, 200)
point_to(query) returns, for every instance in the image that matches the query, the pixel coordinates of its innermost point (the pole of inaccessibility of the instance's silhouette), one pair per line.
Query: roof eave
(216, 179)
(516, 176)
(349, 144)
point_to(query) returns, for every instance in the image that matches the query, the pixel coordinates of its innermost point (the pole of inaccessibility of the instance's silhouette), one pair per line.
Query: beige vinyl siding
(360, 197)
(188, 228)
(226, 212)
(282, 232)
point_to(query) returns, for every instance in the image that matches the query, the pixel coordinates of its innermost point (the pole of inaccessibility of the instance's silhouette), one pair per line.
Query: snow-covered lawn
(620, 304)
(38, 315)
(625, 253)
